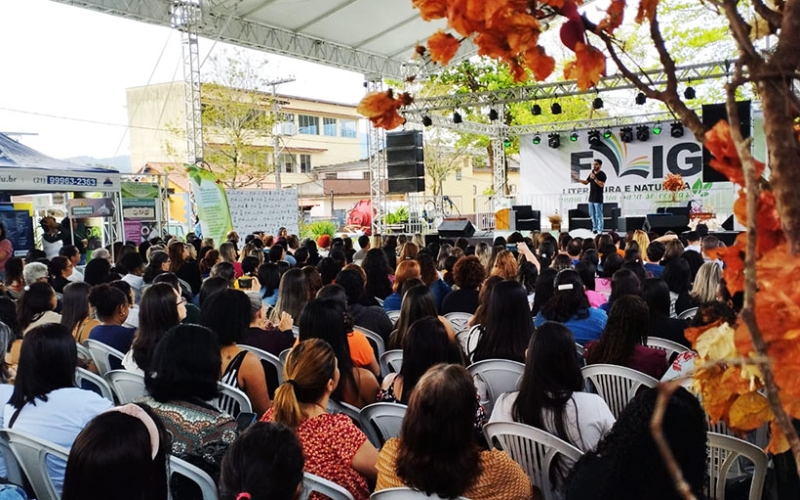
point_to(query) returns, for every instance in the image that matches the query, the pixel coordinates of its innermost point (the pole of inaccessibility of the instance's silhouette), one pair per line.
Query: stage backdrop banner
(212, 204)
(635, 172)
(253, 210)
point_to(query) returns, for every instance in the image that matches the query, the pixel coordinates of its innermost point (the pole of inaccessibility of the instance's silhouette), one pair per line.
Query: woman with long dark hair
(508, 327)
(551, 394)
(292, 295)
(378, 283)
(418, 303)
(77, 315)
(60, 270)
(656, 293)
(326, 319)
(14, 280)
(270, 278)
(438, 452)
(36, 307)
(183, 267)
(430, 276)
(624, 339)
(624, 282)
(544, 289)
(570, 307)
(484, 296)
(610, 264)
(678, 277)
(161, 308)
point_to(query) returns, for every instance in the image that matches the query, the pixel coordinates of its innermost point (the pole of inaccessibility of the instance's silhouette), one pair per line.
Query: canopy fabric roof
(374, 37)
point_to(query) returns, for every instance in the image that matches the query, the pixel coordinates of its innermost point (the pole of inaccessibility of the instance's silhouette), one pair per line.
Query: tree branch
(773, 18)
(665, 391)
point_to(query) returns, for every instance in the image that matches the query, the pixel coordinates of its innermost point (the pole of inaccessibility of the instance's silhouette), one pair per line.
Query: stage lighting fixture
(426, 120)
(573, 137)
(594, 137)
(493, 114)
(537, 139)
(642, 133)
(641, 98)
(555, 108)
(536, 110)
(689, 93)
(457, 117)
(626, 134)
(607, 133)
(676, 129)
(554, 140)
(657, 129)
(507, 142)
(597, 103)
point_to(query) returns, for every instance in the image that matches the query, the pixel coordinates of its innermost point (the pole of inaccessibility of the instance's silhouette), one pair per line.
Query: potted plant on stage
(674, 183)
(555, 222)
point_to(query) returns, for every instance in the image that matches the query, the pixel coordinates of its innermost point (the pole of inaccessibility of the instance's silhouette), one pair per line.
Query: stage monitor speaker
(728, 224)
(405, 170)
(431, 238)
(456, 228)
(662, 224)
(409, 185)
(632, 223)
(405, 139)
(713, 113)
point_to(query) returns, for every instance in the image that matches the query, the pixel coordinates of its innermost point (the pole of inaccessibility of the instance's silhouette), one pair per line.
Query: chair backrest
(284, 355)
(32, 453)
(233, 401)
(498, 376)
(313, 483)
(670, 346)
(296, 331)
(404, 494)
(83, 353)
(617, 385)
(13, 470)
(580, 349)
(391, 361)
(194, 474)
(101, 354)
(468, 340)
(393, 316)
(378, 345)
(345, 409)
(723, 453)
(534, 450)
(273, 367)
(688, 314)
(126, 385)
(459, 320)
(382, 421)
(93, 382)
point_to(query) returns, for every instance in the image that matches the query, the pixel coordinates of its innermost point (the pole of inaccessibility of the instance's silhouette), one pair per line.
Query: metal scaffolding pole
(187, 17)
(376, 139)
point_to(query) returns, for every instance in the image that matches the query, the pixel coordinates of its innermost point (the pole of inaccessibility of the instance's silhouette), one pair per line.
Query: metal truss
(596, 123)
(219, 24)
(466, 127)
(187, 17)
(499, 154)
(376, 140)
(691, 73)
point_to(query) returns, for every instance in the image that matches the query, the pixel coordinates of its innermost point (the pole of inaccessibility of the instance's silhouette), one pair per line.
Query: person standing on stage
(596, 182)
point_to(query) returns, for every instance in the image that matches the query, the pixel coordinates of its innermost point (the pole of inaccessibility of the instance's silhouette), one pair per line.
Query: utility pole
(276, 136)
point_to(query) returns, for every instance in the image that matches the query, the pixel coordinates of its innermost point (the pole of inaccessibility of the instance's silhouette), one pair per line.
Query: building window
(366, 175)
(329, 126)
(305, 164)
(330, 176)
(349, 128)
(458, 174)
(308, 125)
(287, 163)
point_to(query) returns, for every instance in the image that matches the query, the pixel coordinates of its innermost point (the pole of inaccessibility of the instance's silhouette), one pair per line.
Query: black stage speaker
(632, 223)
(661, 224)
(431, 238)
(405, 162)
(728, 224)
(713, 113)
(456, 228)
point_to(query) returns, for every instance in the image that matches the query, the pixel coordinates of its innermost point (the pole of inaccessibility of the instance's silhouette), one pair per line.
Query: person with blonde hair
(642, 239)
(484, 253)
(333, 447)
(505, 265)
(704, 288)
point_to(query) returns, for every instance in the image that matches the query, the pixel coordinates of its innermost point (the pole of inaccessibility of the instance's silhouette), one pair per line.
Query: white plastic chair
(296, 331)
(534, 450)
(375, 340)
(126, 385)
(393, 316)
(723, 453)
(100, 386)
(391, 361)
(284, 355)
(313, 483)
(194, 474)
(268, 357)
(688, 314)
(345, 409)
(83, 353)
(382, 421)
(498, 376)
(670, 346)
(458, 320)
(231, 398)
(32, 453)
(580, 350)
(468, 340)
(617, 385)
(13, 470)
(101, 353)
(404, 494)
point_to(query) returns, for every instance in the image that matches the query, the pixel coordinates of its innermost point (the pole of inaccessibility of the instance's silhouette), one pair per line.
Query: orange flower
(458, 17)
(733, 257)
(431, 9)
(777, 441)
(493, 44)
(768, 222)
(726, 159)
(381, 108)
(537, 60)
(443, 46)
(517, 71)
(749, 411)
(520, 29)
(614, 16)
(647, 9)
(588, 66)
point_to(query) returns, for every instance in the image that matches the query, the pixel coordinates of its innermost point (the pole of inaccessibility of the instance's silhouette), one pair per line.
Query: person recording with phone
(596, 182)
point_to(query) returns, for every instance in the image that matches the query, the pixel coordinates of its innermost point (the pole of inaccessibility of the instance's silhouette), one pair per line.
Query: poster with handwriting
(260, 210)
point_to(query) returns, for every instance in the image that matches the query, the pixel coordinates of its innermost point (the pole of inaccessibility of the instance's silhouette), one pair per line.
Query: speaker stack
(405, 162)
(456, 228)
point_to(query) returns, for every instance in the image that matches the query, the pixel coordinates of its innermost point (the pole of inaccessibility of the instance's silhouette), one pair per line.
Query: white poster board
(261, 210)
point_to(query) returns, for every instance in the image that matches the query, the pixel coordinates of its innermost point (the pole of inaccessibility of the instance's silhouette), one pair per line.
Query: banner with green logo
(212, 204)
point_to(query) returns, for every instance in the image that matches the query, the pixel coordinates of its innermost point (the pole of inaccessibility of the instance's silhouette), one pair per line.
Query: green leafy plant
(318, 228)
(701, 189)
(398, 216)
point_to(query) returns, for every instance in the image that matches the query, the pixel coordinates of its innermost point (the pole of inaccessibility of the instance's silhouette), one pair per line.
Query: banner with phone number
(19, 179)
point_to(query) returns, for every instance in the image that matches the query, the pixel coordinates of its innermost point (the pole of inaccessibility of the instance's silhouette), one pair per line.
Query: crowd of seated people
(183, 315)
